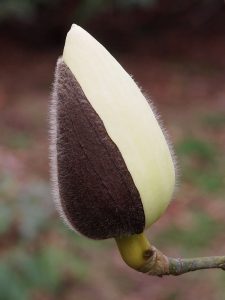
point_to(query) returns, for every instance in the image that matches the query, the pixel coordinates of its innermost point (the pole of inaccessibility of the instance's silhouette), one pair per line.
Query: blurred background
(176, 52)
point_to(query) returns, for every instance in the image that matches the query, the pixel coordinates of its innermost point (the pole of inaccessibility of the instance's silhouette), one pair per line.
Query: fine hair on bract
(53, 149)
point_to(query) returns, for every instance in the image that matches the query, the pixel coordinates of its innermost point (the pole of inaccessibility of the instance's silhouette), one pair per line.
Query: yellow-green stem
(135, 250)
(137, 253)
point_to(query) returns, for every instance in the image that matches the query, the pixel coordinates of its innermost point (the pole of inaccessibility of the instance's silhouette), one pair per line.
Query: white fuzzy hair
(167, 138)
(53, 127)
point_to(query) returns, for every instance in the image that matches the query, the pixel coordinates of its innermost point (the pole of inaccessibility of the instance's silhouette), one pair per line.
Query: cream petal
(128, 118)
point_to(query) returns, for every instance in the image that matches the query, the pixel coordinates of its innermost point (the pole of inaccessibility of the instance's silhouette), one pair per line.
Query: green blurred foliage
(23, 272)
(23, 9)
(26, 9)
(201, 164)
(88, 8)
(215, 121)
(25, 205)
(197, 236)
(196, 148)
(28, 263)
(17, 140)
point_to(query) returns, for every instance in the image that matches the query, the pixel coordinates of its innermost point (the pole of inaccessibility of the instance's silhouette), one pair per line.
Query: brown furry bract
(96, 193)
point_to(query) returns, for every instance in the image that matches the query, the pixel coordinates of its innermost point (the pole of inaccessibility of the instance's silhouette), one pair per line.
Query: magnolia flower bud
(111, 164)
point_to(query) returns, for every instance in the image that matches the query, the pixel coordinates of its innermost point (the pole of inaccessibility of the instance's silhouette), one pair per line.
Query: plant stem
(137, 252)
(159, 264)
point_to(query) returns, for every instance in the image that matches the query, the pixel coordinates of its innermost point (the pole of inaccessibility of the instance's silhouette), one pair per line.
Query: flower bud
(111, 164)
